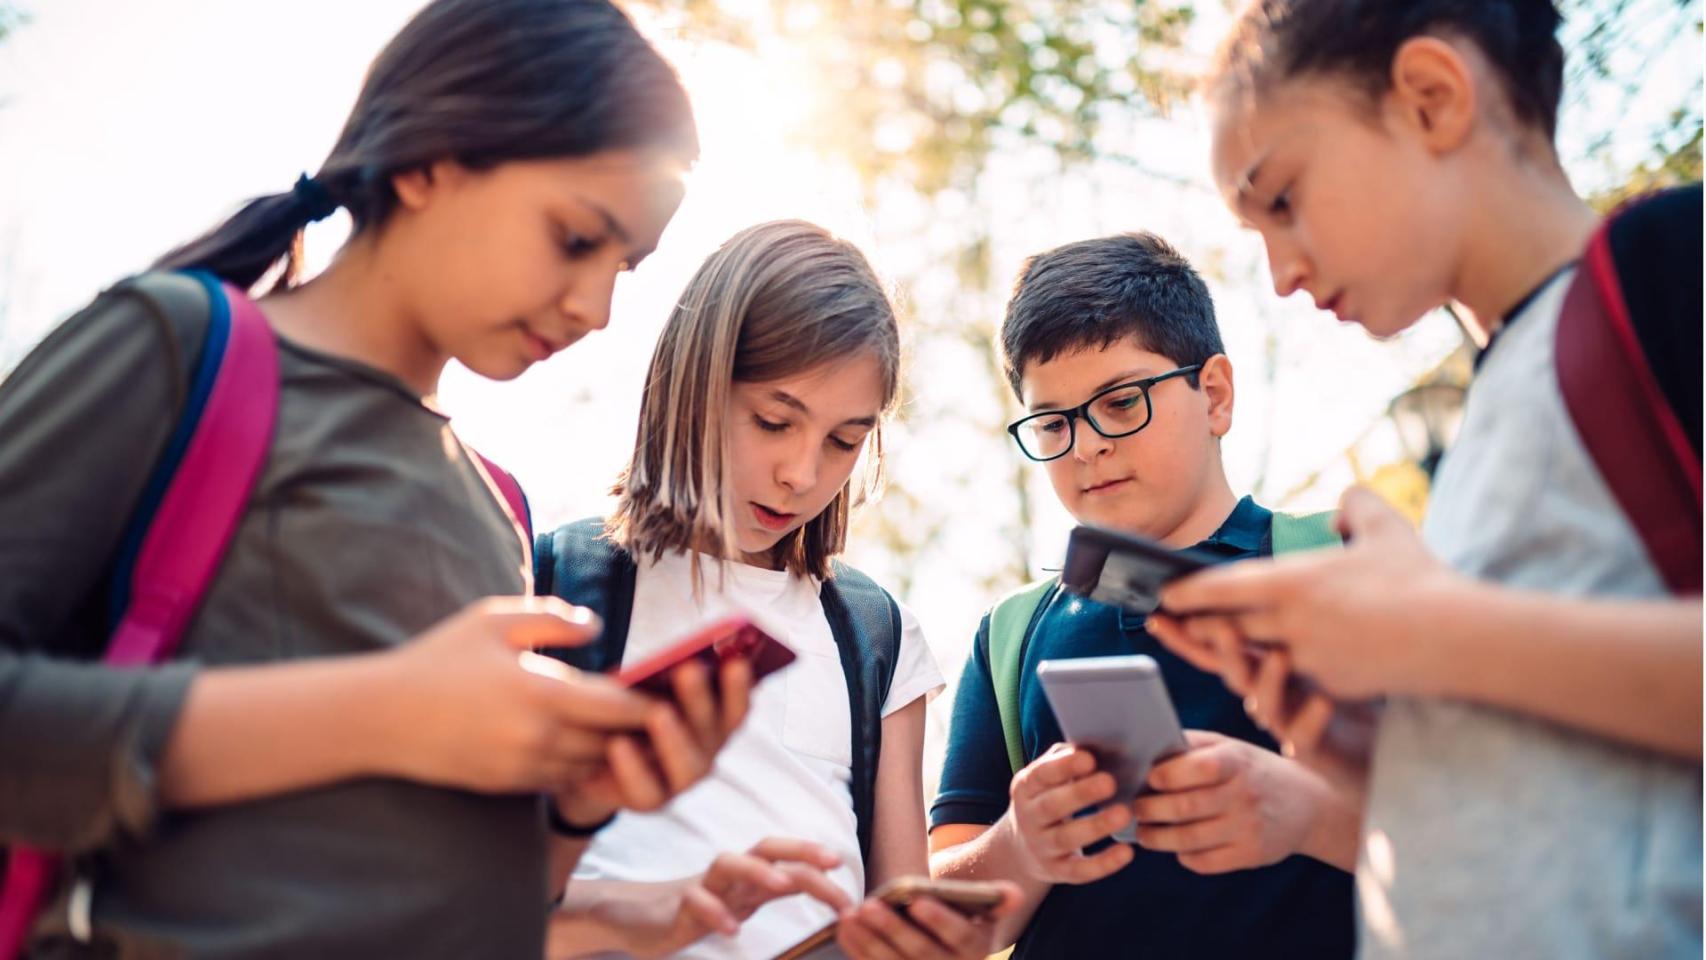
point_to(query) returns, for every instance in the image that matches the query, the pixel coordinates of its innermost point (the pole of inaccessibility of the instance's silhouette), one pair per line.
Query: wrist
(378, 718)
(1009, 842)
(1332, 836)
(1435, 660)
(573, 817)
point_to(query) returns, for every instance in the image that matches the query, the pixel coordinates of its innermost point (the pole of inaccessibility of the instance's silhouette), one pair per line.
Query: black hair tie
(316, 201)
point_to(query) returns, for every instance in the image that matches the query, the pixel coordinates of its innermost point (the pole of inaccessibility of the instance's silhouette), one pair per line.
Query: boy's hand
(1228, 805)
(1332, 738)
(930, 930)
(1352, 620)
(1050, 840)
(680, 747)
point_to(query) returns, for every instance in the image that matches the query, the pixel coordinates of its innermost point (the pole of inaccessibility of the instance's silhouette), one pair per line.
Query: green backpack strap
(1295, 532)
(1008, 622)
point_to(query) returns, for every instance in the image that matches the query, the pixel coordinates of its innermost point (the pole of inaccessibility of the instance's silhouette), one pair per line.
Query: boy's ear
(1215, 381)
(1433, 90)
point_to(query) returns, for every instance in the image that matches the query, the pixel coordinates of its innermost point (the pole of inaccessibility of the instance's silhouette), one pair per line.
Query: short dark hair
(1277, 40)
(1093, 293)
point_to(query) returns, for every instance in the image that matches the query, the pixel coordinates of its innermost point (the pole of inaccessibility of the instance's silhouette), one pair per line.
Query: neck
(1206, 515)
(354, 310)
(1527, 229)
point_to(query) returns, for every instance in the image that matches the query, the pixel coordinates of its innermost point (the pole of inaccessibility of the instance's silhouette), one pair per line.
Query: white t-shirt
(785, 773)
(1493, 834)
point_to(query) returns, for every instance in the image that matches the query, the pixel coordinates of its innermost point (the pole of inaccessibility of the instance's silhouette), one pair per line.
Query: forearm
(1336, 835)
(994, 855)
(602, 916)
(562, 856)
(1625, 670)
(250, 732)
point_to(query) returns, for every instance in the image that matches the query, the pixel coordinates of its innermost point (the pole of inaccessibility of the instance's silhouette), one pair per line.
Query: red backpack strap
(1624, 420)
(513, 496)
(185, 540)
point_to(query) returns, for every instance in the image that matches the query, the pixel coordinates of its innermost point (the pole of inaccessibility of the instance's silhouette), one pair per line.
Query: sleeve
(915, 673)
(976, 770)
(84, 418)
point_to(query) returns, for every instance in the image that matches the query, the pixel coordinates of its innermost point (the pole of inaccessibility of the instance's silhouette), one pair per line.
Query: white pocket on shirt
(818, 723)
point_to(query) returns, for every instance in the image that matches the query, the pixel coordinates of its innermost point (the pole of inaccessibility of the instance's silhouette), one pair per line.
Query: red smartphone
(725, 639)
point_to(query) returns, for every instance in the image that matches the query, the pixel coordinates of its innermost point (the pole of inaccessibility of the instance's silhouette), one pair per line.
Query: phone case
(1118, 709)
(725, 639)
(1121, 569)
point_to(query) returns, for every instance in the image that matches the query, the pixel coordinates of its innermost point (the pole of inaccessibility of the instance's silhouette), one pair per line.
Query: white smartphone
(1118, 709)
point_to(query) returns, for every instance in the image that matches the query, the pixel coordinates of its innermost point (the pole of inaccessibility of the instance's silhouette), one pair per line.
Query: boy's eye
(769, 426)
(1051, 425)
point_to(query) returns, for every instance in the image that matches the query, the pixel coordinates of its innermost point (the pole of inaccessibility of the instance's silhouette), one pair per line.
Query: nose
(1289, 267)
(798, 468)
(1087, 444)
(585, 303)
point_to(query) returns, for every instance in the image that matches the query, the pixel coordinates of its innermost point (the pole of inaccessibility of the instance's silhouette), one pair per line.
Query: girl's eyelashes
(576, 246)
(769, 426)
(843, 445)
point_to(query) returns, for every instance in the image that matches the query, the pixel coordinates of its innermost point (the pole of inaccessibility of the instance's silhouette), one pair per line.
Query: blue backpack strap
(195, 401)
(576, 563)
(865, 621)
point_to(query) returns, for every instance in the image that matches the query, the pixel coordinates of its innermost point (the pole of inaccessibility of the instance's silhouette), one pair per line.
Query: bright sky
(126, 128)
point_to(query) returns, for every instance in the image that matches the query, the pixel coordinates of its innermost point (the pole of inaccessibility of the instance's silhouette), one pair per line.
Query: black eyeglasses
(1119, 411)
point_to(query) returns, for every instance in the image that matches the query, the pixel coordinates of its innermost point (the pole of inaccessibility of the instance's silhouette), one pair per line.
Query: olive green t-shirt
(371, 521)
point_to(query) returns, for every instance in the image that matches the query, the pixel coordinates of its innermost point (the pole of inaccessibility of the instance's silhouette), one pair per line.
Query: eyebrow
(1139, 374)
(1247, 182)
(787, 399)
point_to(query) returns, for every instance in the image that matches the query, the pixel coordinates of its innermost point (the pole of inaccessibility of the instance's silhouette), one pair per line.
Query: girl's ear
(415, 188)
(1433, 91)
(1215, 381)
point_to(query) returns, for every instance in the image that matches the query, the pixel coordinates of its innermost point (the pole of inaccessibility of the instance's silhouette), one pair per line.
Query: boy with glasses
(1111, 345)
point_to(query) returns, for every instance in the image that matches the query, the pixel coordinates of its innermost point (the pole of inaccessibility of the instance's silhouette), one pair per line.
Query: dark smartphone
(968, 897)
(725, 639)
(1123, 569)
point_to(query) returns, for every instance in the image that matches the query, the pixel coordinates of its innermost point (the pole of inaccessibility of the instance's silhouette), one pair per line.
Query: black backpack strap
(865, 622)
(576, 563)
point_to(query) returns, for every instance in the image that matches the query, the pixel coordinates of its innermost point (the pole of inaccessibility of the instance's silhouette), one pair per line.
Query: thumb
(528, 623)
(1364, 515)
(1196, 739)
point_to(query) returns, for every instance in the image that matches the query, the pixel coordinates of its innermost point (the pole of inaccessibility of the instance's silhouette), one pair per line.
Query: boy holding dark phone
(1112, 346)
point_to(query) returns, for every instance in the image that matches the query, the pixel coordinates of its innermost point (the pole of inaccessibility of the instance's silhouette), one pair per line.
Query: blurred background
(949, 138)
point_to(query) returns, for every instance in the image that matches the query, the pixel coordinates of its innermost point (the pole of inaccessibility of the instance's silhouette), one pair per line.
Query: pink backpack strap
(1624, 421)
(513, 496)
(181, 551)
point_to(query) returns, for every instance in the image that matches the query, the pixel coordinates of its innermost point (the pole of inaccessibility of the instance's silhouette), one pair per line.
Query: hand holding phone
(1118, 709)
(737, 636)
(970, 900)
(1123, 569)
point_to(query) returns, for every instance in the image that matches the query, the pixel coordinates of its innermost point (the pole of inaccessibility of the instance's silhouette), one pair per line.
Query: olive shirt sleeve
(82, 420)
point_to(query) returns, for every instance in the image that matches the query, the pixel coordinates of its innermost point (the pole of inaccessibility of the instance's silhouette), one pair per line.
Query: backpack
(1014, 618)
(578, 564)
(182, 525)
(1628, 354)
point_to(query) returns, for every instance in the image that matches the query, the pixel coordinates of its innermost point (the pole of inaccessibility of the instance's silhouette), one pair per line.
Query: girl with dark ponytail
(348, 755)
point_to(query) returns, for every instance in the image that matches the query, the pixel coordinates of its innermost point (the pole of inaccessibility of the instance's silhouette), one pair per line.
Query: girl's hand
(680, 747)
(930, 930)
(737, 884)
(1228, 805)
(1352, 620)
(467, 704)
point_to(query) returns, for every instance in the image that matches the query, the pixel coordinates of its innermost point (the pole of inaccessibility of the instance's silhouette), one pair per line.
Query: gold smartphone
(969, 897)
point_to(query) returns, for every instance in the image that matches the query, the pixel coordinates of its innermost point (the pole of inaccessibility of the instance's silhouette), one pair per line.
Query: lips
(770, 519)
(541, 348)
(1108, 486)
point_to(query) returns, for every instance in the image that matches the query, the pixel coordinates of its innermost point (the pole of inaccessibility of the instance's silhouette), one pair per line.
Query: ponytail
(266, 230)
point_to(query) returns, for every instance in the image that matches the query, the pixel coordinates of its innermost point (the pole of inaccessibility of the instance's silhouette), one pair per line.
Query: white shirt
(1493, 834)
(785, 773)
